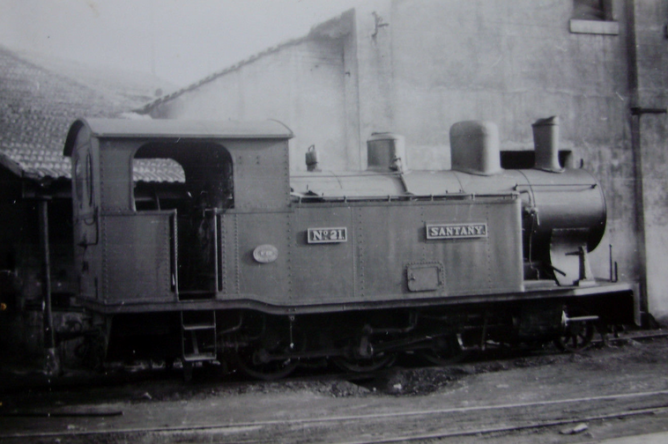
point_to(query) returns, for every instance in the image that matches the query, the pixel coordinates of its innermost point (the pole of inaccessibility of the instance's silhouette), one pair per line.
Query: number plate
(327, 235)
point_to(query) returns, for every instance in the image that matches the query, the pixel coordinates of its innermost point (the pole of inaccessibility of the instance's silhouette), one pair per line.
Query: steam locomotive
(227, 256)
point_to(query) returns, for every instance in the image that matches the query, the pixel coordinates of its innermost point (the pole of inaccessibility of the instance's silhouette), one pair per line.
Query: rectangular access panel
(138, 257)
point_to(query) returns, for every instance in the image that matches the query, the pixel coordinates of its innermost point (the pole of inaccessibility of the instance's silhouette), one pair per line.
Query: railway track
(388, 427)
(377, 423)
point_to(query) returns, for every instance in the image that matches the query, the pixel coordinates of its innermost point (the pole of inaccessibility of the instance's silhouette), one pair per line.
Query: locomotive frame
(234, 258)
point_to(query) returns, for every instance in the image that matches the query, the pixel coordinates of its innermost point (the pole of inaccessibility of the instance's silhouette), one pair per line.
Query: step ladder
(198, 336)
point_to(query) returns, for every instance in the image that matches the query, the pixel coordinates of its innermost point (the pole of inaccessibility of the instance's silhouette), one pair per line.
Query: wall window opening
(592, 10)
(593, 17)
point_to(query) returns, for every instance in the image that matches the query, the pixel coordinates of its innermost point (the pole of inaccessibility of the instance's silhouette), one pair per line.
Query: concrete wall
(300, 84)
(509, 62)
(649, 83)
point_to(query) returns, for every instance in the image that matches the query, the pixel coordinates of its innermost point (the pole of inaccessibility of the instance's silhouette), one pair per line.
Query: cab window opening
(185, 176)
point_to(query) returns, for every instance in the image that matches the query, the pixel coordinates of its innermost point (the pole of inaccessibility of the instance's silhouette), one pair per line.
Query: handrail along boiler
(194, 242)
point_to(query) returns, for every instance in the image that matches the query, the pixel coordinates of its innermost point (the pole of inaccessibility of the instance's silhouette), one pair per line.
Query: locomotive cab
(149, 196)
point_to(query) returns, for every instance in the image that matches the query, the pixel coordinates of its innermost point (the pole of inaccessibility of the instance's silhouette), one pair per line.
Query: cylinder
(546, 143)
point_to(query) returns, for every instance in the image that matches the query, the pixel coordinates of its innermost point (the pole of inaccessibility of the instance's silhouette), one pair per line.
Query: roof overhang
(11, 165)
(34, 163)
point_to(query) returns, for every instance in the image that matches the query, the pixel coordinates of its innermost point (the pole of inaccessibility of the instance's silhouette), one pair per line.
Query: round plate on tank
(265, 254)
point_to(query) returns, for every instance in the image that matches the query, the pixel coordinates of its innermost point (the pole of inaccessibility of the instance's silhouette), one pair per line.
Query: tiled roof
(34, 163)
(114, 84)
(37, 106)
(37, 164)
(157, 170)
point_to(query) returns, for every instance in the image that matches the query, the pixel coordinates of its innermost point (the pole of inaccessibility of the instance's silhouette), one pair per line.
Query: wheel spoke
(575, 337)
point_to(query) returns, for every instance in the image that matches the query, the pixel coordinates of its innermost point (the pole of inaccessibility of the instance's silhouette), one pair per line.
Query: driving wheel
(444, 350)
(248, 361)
(575, 335)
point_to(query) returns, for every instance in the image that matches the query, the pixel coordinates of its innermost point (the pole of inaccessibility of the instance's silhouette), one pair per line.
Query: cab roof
(175, 129)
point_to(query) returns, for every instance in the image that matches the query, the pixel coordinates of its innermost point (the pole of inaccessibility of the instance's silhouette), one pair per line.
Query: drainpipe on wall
(51, 355)
(638, 191)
